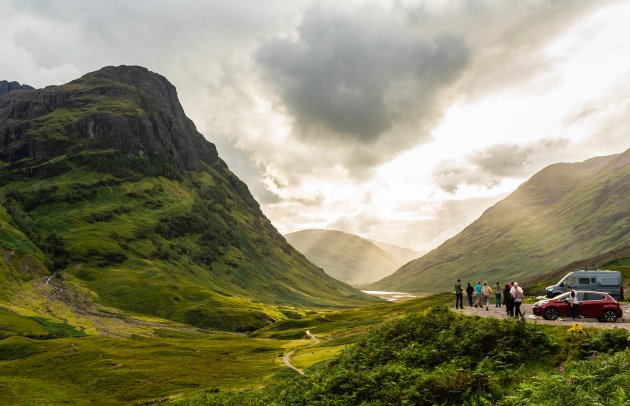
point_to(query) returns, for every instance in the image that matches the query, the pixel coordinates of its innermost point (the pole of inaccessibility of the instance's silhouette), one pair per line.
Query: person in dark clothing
(507, 300)
(469, 292)
(459, 295)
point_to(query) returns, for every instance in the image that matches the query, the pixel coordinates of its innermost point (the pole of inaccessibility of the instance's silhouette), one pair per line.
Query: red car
(598, 305)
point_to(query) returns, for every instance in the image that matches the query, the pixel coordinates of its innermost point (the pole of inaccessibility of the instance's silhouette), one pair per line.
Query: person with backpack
(469, 292)
(573, 300)
(507, 300)
(459, 295)
(517, 295)
(497, 294)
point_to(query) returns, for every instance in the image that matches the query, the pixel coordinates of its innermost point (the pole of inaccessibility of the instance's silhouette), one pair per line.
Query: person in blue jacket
(478, 293)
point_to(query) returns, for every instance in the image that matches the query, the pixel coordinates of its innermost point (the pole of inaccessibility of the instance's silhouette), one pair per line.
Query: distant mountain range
(564, 213)
(106, 184)
(350, 258)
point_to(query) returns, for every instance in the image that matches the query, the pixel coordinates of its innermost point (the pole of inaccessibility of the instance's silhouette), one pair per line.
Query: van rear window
(607, 281)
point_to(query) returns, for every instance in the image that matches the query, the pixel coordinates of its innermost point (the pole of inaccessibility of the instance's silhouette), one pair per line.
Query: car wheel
(551, 314)
(610, 316)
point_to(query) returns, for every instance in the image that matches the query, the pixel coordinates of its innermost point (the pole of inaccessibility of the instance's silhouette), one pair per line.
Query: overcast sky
(400, 121)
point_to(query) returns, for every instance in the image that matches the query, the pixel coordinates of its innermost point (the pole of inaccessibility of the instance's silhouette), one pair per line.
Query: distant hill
(106, 184)
(402, 254)
(347, 257)
(565, 212)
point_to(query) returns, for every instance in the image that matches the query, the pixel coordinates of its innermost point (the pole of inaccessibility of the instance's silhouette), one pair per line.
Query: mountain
(343, 256)
(402, 254)
(6, 87)
(564, 213)
(106, 184)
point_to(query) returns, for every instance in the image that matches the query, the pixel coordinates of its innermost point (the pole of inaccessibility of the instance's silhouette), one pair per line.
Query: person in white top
(573, 300)
(517, 296)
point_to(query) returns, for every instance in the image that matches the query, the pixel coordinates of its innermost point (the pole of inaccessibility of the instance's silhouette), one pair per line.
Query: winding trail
(287, 357)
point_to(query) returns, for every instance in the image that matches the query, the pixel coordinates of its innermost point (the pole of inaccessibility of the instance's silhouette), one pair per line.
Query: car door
(587, 304)
(563, 305)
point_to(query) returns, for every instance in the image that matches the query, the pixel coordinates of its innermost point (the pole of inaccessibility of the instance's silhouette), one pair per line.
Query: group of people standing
(512, 296)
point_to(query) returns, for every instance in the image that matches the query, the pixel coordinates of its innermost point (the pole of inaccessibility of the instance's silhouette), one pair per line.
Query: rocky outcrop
(7, 87)
(127, 109)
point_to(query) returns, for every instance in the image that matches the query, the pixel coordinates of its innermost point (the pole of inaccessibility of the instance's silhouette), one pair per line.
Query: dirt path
(526, 309)
(287, 357)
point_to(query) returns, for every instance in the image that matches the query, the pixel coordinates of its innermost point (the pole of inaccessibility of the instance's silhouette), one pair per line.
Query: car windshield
(563, 296)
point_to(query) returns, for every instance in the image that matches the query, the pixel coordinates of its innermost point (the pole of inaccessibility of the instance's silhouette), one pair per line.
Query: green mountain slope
(108, 183)
(343, 256)
(402, 254)
(564, 213)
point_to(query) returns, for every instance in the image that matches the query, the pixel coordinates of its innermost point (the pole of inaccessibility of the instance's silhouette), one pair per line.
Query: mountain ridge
(346, 257)
(7, 87)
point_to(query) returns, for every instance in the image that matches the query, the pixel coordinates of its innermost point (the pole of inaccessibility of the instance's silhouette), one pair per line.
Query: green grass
(13, 324)
(440, 357)
(119, 371)
(154, 363)
(339, 329)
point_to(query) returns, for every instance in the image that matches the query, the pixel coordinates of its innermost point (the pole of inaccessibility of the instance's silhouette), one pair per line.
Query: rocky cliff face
(6, 87)
(126, 108)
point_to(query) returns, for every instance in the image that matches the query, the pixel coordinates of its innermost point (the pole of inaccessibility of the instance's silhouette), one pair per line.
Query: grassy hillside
(440, 357)
(564, 213)
(402, 254)
(346, 257)
(21, 259)
(107, 184)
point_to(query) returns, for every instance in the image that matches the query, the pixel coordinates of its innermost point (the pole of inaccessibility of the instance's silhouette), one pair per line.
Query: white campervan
(610, 282)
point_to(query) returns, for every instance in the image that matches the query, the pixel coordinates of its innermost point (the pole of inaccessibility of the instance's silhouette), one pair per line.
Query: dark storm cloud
(449, 176)
(356, 74)
(486, 168)
(502, 159)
